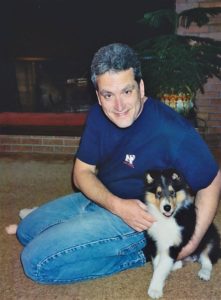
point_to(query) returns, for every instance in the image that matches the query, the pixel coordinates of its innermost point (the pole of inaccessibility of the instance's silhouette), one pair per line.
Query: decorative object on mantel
(181, 102)
(175, 67)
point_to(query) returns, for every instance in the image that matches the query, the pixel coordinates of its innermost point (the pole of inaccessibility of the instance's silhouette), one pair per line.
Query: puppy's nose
(167, 207)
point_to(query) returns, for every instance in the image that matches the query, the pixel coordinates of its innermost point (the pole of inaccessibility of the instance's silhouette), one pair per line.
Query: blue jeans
(72, 239)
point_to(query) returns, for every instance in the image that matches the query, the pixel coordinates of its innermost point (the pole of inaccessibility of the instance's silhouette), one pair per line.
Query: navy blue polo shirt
(160, 138)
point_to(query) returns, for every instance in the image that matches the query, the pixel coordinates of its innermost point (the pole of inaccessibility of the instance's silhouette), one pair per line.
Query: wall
(39, 144)
(209, 103)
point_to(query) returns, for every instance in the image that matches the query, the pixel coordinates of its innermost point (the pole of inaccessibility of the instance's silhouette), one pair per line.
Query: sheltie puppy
(169, 200)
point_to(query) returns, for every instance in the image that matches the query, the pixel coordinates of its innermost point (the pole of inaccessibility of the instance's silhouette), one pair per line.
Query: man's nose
(119, 105)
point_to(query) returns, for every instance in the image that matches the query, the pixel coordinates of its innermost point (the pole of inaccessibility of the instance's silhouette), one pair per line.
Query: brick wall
(39, 144)
(209, 103)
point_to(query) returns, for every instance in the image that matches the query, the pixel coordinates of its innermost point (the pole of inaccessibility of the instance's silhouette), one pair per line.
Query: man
(99, 231)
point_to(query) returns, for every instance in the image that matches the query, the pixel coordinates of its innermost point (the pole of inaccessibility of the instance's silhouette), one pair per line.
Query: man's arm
(206, 202)
(132, 211)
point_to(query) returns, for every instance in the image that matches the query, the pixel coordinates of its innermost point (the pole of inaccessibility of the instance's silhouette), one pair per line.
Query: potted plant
(175, 67)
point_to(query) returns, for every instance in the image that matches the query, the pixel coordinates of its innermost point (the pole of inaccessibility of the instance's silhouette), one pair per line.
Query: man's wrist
(115, 204)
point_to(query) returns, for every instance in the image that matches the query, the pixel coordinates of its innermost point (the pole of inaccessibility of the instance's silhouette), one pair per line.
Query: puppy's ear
(176, 177)
(149, 179)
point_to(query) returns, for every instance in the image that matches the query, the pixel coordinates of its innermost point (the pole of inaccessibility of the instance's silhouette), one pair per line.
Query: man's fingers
(147, 215)
(144, 227)
(142, 205)
(187, 250)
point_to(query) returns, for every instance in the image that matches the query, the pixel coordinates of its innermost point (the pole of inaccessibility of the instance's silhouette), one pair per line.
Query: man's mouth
(121, 114)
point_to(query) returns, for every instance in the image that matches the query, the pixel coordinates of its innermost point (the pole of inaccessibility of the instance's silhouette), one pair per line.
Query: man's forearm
(131, 211)
(94, 189)
(206, 201)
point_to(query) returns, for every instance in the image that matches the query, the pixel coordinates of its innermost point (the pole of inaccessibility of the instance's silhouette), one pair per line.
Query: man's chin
(122, 123)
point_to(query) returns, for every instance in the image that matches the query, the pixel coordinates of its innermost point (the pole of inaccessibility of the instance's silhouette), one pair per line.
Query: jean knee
(29, 267)
(21, 234)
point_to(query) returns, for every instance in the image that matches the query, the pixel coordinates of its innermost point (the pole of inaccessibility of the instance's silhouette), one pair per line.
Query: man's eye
(107, 96)
(128, 92)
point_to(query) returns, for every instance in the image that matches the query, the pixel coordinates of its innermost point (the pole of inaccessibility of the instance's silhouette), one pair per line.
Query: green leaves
(159, 17)
(200, 16)
(179, 63)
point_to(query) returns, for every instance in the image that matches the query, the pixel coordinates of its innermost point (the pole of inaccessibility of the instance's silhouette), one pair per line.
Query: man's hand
(187, 250)
(131, 211)
(135, 214)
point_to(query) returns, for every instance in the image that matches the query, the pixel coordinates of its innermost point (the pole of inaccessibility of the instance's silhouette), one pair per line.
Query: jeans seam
(132, 246)
(122, 267)
(76, 248)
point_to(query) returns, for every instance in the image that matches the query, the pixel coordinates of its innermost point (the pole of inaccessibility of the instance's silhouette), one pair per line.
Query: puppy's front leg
(155, 261)
(161, 271)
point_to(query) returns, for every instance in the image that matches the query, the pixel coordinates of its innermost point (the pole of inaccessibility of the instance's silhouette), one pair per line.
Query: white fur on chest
(165, 231)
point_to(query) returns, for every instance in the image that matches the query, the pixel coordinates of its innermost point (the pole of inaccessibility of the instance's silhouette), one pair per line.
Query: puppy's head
(166, 190)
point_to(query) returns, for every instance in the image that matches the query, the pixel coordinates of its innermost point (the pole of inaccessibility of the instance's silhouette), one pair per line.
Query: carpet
(29, 180)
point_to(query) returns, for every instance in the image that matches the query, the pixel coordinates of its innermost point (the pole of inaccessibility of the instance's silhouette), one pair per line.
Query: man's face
(120, 97)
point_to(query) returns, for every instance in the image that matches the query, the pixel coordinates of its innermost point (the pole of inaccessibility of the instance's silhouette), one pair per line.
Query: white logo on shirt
(129, 160)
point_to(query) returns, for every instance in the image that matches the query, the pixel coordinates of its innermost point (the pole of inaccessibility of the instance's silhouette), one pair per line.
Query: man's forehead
(111, 79)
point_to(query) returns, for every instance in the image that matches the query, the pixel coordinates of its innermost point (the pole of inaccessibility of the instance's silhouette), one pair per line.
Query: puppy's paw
(26, 211)
(177, 265)
(204, 274)
(155, 293)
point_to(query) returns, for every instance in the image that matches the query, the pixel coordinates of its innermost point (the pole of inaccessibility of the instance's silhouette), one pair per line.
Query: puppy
(169, 200)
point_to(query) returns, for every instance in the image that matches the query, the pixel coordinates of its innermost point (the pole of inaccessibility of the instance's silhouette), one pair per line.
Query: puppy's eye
(158, 194)
(172, 193)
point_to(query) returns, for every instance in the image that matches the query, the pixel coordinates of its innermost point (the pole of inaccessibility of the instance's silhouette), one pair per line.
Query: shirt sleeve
(195, 161)
(88, 150)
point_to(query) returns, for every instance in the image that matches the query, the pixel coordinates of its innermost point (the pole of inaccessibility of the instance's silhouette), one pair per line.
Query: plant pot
(180, 102)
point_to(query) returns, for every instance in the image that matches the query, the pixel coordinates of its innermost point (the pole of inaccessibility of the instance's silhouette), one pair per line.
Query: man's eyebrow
(129, 86)
(104, 92)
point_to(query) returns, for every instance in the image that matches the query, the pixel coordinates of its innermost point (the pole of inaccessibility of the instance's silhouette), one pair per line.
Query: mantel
(42, 123)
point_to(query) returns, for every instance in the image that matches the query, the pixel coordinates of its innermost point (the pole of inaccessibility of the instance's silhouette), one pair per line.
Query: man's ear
(142, 88)
(98, 98)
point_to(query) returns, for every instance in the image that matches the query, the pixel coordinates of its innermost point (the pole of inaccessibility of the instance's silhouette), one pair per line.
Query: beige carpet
(29, 180)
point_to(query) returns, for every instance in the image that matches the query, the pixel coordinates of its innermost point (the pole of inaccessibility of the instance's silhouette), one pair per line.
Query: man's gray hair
(115, 57)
